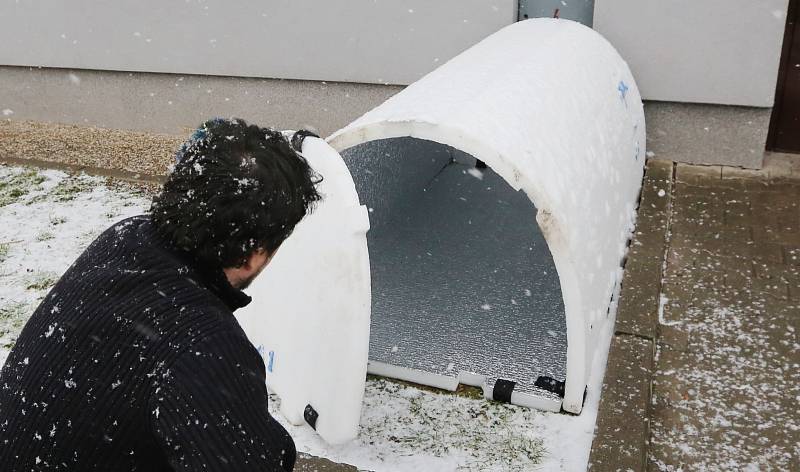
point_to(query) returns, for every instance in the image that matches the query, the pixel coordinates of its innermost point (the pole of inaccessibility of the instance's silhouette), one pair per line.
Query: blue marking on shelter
(623, 90)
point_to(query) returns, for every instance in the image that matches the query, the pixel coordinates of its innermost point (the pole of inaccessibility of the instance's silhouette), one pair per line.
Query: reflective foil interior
(462, 278)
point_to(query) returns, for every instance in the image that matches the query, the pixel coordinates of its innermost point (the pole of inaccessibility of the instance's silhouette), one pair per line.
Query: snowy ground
(47, 218)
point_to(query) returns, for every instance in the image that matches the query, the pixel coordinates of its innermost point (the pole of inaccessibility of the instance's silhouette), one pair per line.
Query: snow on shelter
(473, 231)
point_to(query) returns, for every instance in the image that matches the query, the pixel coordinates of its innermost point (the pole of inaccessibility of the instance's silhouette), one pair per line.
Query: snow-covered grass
(407, 428)
(47, 218)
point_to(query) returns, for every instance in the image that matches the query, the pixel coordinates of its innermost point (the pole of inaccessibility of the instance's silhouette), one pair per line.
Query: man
(134, 360)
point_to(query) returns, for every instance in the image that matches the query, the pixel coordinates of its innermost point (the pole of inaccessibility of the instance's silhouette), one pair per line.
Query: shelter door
(309, 317)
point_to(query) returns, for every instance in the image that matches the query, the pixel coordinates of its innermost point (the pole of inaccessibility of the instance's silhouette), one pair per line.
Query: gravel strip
(136, 152)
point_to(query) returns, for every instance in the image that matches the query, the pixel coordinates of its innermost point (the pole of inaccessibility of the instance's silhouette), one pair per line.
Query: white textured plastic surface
(310, 312)
(553, 109)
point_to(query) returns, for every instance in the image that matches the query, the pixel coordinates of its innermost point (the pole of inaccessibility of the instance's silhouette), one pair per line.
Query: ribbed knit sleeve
(209, 410)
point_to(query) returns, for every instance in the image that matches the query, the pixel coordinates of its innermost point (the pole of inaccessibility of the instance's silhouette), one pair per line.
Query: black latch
(551, 385)
(311, 416)
(502, 390)
(299, 136)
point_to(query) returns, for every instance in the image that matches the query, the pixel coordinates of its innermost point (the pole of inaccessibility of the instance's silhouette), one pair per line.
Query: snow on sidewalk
(727, 379)
(47, 218)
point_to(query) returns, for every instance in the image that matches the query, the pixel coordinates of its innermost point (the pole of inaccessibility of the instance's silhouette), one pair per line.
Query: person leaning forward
(134, 361)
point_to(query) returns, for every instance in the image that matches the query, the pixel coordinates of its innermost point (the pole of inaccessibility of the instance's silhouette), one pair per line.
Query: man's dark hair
(235, 188)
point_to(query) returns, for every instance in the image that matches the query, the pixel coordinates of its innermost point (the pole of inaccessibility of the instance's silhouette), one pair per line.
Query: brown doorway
(784, 129)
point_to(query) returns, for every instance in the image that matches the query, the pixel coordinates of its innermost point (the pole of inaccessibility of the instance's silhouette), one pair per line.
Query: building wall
(701, 51)
(184, 62)
(581, 11)
(176, 104)
(707, 134)
(370, 41)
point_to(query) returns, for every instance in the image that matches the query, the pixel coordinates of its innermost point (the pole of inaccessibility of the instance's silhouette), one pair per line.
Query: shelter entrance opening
(464, 288)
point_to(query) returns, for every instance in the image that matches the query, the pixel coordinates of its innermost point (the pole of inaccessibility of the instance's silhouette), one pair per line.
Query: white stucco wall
(371, 41)
(703, 51)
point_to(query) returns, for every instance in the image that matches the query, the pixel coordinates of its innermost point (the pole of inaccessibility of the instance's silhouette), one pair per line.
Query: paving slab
(638, 315)
(307, 463)
(673, 337)
(727, 369)
(725, 378)
(638, 312)
(622, 431)
(622, 425)
(692, 174)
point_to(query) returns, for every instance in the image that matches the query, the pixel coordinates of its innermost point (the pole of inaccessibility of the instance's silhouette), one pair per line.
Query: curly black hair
(235, 188)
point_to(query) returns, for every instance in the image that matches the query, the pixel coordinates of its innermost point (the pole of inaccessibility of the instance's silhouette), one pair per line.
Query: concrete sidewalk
(704, 371)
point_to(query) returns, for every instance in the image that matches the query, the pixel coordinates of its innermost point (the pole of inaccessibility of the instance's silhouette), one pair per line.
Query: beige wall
(702, 51)
(175, 104)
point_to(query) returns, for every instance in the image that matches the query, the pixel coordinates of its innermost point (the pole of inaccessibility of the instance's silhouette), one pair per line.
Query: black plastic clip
(299, 136)
(502, 390)
(551, 385)
(311, 416)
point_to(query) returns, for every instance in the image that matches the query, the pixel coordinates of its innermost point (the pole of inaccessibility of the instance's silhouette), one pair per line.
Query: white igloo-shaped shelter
(473, 231)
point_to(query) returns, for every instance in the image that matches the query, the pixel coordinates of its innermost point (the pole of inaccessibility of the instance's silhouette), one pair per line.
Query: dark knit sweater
(134, 361)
